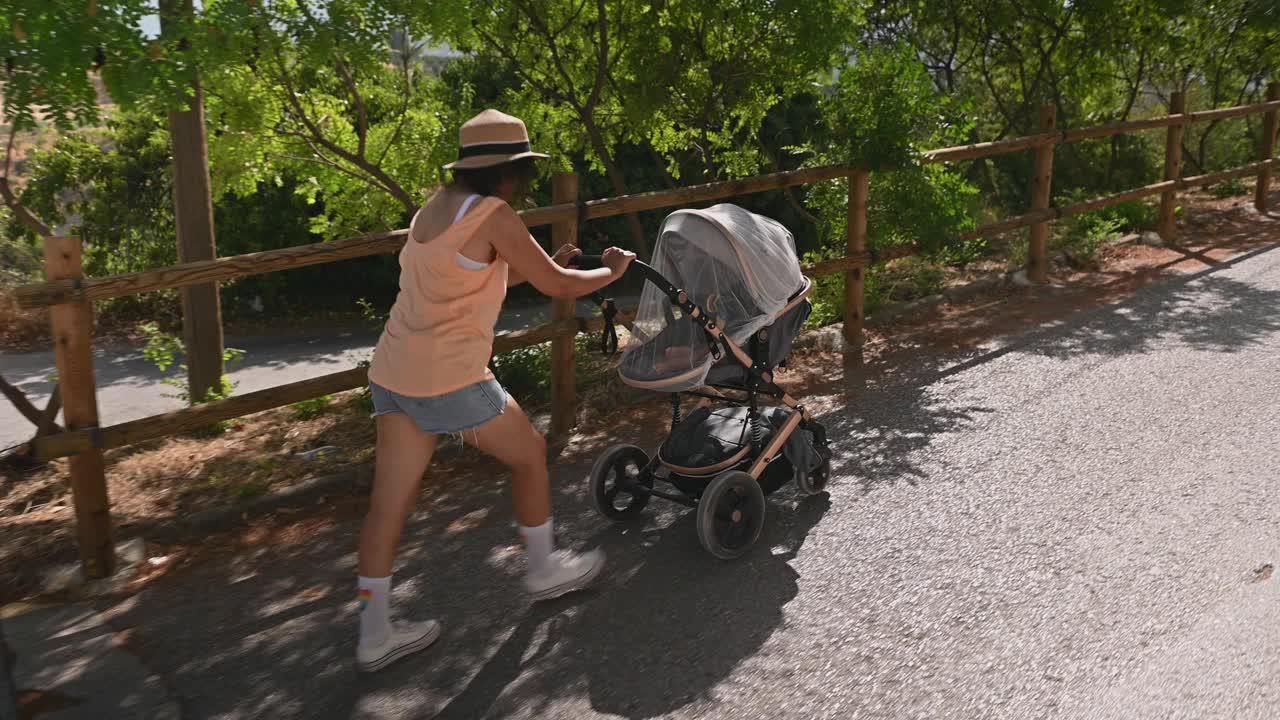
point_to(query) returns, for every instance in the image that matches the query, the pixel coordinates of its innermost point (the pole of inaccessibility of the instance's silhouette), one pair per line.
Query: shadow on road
(268, 630)
(1205, 310)
(674, 626)
(891, 413)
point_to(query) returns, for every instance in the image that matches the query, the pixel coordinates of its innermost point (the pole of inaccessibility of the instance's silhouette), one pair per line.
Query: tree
(690, 81)
(1220, 53)
(193, 211)
(701, 83)
(52, 53)
(565, 51)
(314, 89)
(49, 52)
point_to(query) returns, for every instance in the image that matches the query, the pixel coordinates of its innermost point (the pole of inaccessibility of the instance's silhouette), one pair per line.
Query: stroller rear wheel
(619, 485)
(731, 515)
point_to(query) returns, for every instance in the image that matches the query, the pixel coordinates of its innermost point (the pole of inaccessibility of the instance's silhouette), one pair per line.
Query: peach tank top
(439, 336)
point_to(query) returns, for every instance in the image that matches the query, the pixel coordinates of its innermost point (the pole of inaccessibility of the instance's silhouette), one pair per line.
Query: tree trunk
(639, 243)
(193, 211)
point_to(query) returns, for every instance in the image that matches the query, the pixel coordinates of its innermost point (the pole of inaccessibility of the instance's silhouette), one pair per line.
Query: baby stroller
(722, 303)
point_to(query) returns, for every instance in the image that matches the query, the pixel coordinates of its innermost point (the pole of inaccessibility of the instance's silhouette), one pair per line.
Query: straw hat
(492, 138)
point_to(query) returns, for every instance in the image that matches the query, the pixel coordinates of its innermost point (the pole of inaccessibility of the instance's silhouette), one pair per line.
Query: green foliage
(525, 373)
(321, 128)
(250, 489)
(827, 295)
(909, 279)
(313, 91)
(884, 108)
(1230, 188)
(960, 254)
(1080, 237)
(363, 401)
(925, 205)
(374, 319)
(1131, 216)
(701, 99)
(20, 260)
(162, 350)
(54, 51)
(116, 186)
(311, 408)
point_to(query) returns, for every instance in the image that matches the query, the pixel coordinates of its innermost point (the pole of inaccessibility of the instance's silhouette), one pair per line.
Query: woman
(430, 374)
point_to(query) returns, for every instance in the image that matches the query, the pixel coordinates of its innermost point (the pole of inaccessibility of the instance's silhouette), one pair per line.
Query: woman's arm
(530, 262)
(561, 258)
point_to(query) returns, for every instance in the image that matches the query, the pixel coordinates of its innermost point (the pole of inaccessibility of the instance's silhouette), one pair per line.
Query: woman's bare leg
(403, 454)
(513, 441)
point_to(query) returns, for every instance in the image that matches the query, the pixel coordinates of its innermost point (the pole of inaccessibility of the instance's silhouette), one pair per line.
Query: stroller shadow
(676, 624)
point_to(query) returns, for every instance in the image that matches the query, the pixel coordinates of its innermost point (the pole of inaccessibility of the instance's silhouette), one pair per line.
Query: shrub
(1081, 236)
(311, 408)
(162, 350)
(1229, 188)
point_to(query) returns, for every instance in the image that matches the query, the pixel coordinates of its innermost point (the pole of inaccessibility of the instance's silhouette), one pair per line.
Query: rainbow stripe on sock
(364, 596)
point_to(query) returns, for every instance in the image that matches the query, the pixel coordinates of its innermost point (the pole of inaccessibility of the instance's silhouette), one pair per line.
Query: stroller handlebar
(586, 262)
(592, 262)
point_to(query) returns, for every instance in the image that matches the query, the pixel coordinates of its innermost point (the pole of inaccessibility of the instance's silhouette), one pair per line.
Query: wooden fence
(70, 294)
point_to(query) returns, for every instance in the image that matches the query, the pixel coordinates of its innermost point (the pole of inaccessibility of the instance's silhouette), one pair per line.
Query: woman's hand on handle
(565, 254)
(617, 260)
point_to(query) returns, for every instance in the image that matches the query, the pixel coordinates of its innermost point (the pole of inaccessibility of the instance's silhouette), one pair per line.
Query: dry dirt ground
(154, 483)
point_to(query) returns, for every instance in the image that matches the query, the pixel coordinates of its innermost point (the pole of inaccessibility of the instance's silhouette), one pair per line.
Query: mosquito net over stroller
(739, 267)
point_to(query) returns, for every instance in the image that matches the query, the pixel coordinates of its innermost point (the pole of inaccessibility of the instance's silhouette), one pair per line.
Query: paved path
(1074, 523)
(129, 387)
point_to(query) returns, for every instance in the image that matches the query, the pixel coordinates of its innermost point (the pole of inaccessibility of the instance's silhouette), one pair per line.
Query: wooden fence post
(71, 324)
(1041, 190)
(1172, 167)
(1270, 124)
(193, 220)
(856, 244)
(564, 189)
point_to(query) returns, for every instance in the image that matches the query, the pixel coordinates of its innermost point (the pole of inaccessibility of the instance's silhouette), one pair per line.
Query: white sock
(538, 545)
(375, 604)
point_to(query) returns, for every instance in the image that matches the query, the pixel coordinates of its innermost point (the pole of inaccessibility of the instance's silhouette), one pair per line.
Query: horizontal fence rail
(241, 266)
(70, 294)
(1055, 213)
(65, 444)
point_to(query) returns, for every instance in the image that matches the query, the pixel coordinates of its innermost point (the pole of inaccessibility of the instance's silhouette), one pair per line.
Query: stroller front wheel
(619, 486)
(814, 481)
(731, 515)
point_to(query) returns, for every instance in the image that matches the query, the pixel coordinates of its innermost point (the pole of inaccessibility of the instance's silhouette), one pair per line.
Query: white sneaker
(405, 639)
(565, 572)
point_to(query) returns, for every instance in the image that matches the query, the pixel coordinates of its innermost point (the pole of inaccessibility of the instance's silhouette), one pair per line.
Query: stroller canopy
(739, 267)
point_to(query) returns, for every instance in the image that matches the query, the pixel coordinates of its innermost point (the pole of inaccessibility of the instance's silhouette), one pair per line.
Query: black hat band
(502, 148)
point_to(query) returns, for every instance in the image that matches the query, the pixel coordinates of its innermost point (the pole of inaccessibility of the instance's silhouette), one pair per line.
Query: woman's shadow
(675, 625)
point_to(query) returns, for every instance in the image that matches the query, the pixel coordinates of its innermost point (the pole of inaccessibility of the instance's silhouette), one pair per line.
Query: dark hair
(485, 181)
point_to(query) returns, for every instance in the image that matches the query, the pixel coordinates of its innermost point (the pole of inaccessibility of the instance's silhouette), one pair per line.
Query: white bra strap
(466, 205)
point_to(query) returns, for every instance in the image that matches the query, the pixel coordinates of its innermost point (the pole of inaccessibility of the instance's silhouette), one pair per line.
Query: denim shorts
(453, 412)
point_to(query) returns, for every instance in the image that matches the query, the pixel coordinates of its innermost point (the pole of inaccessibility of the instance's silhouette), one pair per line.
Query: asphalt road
(129, 387)
(1073, 523)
